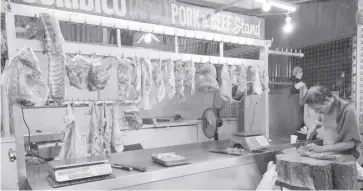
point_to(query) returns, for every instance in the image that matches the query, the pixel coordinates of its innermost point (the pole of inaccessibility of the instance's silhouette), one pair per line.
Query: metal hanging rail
(287, 52)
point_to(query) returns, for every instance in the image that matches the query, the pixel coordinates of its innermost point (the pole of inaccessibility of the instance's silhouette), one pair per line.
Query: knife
(122, 166)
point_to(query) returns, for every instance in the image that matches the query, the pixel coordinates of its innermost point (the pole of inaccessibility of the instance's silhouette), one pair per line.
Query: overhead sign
(163, 12)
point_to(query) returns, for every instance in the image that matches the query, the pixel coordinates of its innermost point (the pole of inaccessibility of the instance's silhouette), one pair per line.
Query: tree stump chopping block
(305, 172)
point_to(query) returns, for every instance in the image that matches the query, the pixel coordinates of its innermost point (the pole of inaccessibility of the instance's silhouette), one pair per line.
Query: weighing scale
(76, 171)
(250, 141)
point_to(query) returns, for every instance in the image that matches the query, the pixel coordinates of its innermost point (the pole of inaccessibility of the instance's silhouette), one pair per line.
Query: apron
(329, 131)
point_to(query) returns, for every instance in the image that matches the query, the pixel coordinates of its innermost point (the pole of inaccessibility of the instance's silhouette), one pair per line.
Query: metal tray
(170, 163)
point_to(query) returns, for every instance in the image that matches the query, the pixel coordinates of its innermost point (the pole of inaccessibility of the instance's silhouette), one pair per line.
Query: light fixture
(278, 4)
(148, 38)
(288, 26)
(266, 6)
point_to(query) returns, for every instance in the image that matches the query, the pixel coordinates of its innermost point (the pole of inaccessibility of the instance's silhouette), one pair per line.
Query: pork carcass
(107, 130)
(78, 70)
(264, 79)
(179, 80)
(124, 77)
(190, 76)
(56, 57)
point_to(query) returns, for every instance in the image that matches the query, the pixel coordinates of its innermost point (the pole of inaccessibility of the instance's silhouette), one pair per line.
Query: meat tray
(170, 163)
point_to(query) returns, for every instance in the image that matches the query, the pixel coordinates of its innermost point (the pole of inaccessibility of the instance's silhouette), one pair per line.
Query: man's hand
(314, 148)
(308, 132)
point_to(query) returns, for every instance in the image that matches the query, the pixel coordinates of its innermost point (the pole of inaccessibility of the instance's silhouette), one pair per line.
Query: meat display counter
(205, 171)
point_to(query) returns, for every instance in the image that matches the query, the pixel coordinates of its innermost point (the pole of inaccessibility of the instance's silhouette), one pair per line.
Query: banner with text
(163, 12)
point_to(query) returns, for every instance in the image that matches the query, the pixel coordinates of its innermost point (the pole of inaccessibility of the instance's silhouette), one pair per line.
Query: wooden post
(264, 53)
(15, 110)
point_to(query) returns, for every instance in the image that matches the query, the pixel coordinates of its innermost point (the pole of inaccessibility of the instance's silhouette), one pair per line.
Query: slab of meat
(107, 130)
(322, 156)
(241, 78)
(136, 77)
(226, 86)
(23, 79)
(72, 148)
(264, 77)
(147, 82)
(78, 70)
(233, 74)
(208, 78)
(179, 80)
(158, 80)
(117, 143)
(257, 86)
(124, 77)
(99, 75)
(56, 57)
(190, 76)
(169, 78)
(94, 138)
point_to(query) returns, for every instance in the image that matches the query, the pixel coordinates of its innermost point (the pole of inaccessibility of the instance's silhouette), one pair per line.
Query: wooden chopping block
(305, 172)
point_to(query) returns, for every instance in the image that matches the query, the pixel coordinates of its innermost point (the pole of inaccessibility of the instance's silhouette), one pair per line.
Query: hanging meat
(257, 87)
(117, 144)
(23, 79)
(264, 79)
(136, 77)
(241, 72)
(107, 117)
(124, 77)
(132, 117)
(169, 78)
(179, 80)
(190, 76)
(208, 78)
(56, 57)
(226, 86)
(94, 138)
(233, 74)
(72, 148)
(147, 82)
(158, 80)
(78, 70)
(99, 75)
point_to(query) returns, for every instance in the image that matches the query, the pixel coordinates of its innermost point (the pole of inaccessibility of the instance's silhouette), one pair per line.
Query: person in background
(339, 130)
(309, 116)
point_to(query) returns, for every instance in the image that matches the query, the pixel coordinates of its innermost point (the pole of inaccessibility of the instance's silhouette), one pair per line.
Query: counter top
(201, 161)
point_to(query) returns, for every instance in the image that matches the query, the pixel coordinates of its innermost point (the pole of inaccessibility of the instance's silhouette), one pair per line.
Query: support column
(264, 53)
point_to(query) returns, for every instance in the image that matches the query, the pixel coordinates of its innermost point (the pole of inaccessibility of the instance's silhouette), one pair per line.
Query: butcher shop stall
(170, 94)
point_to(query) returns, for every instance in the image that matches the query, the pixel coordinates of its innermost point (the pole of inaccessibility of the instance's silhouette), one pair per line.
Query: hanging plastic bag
(78, 70)
(268, 181)
(99, 75)
(124, 77)
(208, 78)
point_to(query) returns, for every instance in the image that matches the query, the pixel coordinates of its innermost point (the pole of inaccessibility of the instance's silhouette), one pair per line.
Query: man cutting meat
(340, 131)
